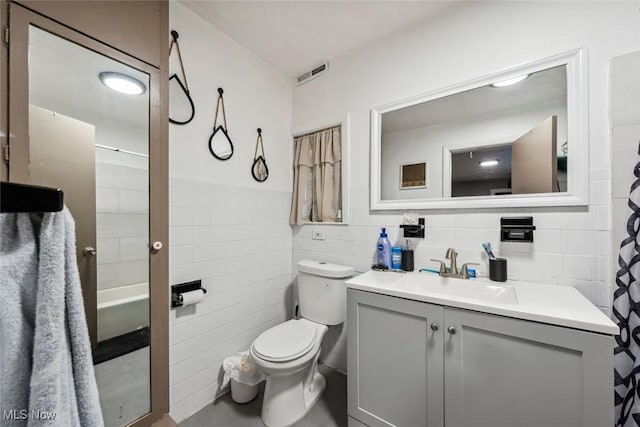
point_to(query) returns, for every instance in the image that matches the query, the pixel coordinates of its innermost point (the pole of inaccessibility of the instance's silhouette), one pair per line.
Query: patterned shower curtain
(626, 314)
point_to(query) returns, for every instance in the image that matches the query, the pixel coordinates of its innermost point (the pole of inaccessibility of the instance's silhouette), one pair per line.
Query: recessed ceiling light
(510, 81)
(488, 163)
(122, 83)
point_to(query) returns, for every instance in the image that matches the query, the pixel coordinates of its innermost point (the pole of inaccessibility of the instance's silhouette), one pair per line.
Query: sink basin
(537, 302)
(458, 288)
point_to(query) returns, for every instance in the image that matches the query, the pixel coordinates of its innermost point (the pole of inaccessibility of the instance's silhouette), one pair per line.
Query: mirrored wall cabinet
(87, 113)
(514, 138)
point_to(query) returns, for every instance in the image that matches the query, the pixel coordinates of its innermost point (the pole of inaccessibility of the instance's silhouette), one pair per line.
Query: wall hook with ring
(184, 87)
(220, 144)
(259, 169)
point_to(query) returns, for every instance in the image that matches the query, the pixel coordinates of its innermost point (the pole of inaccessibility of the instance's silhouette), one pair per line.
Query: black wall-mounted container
(414, 231)
(518, 229)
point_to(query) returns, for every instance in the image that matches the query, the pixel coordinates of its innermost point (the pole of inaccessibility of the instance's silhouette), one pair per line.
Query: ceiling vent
(310, 75)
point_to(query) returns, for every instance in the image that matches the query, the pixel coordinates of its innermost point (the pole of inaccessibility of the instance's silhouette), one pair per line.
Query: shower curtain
(626, 314)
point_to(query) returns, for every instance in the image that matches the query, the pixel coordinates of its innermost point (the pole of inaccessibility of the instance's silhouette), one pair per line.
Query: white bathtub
(122, 309)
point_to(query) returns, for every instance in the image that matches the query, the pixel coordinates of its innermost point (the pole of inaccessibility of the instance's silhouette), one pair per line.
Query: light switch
(317, 234)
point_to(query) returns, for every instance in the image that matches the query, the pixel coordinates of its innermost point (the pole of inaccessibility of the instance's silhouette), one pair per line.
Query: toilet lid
(286, 341)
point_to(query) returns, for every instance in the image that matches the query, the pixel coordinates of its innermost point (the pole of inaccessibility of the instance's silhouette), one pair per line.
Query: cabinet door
(394, 361)
(507, 372)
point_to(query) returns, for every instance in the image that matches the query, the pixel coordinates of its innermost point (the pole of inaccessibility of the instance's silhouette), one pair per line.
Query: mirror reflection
(530, 164)
(492, 141)
(89, 134)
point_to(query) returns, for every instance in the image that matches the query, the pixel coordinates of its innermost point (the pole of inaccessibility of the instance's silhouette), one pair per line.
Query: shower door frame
(20, 17)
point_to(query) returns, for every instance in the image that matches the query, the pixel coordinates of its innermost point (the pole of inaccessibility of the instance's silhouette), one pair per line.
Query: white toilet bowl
(288, 355)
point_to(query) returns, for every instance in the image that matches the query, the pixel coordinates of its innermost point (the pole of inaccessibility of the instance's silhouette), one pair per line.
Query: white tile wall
(122, 225)
(625, 118)
(557, 256)
(238, 242)
(571, 246)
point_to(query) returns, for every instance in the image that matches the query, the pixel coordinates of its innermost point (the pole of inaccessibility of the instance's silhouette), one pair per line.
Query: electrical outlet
(317, 234)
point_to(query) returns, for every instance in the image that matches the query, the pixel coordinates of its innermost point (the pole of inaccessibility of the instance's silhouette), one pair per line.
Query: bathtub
(122, 309)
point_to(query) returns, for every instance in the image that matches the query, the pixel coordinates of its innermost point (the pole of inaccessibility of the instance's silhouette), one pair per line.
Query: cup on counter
(498, 269)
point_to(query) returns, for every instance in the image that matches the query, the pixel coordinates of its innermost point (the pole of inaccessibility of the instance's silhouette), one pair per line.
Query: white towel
(46, 364)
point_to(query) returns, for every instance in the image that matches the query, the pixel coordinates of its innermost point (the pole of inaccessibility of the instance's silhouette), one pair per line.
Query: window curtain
(317, 180)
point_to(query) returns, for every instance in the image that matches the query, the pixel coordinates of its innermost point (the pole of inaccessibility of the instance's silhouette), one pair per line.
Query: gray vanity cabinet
(501, 371)
(394, 361)
(475, 370)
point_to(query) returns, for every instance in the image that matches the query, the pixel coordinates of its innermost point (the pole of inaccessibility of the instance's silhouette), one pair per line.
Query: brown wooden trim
(18, 107)
(159, 221)
(4, 89)
(160, 369)
(133, 27)
(18, 104)
(165, 421)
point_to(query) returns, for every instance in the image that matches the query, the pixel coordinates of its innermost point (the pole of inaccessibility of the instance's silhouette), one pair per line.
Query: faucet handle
(443, 267)
(464, 271)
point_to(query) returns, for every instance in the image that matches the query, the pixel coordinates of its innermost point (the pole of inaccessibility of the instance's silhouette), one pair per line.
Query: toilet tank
(321, 291)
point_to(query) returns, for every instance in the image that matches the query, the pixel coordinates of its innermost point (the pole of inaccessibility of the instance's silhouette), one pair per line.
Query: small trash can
(243, 375)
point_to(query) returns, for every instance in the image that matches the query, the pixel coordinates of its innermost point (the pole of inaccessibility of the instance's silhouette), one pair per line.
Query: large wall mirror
(91, 127)
(93, 142)
(514, 138)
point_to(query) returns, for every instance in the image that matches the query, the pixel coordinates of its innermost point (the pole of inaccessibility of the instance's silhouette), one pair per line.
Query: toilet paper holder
(182, 288)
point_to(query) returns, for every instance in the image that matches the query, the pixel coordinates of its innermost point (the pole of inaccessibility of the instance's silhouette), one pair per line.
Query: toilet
(288, 353)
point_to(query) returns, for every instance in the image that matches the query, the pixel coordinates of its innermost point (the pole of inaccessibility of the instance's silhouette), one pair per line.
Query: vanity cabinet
(416, 364)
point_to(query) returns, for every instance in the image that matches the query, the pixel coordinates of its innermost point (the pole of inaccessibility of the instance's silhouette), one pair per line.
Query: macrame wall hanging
(181, 105)
(220, 144)
(259, 169)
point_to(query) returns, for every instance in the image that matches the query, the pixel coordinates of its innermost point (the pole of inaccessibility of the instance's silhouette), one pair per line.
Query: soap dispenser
(383, 250)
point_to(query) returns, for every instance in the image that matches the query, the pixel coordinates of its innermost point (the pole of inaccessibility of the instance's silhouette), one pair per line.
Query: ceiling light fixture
(122, 83)
(510, 81)
(488, 163)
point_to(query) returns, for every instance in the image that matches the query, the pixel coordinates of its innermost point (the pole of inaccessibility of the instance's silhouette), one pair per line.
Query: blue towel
(47, 376)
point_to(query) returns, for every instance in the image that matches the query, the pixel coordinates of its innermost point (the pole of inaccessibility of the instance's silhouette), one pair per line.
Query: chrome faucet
(452, 255)
(453, 267)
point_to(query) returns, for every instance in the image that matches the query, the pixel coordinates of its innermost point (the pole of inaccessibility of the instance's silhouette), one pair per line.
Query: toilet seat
(287, 341)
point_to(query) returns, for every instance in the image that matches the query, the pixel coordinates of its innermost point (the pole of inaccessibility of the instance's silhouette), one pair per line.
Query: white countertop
(552, 304)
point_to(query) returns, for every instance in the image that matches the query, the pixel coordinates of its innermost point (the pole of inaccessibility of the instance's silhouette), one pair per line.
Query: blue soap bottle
(383, 250)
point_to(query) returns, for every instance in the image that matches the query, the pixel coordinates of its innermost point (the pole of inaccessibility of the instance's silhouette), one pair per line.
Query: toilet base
(288, 398)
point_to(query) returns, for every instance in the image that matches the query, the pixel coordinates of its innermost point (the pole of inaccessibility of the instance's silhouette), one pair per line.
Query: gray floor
(123, 384)
(329, 411)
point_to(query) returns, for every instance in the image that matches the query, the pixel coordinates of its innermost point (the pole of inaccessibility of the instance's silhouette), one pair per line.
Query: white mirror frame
(577, 193)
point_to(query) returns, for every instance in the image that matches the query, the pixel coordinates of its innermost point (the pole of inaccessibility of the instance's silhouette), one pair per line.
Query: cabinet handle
(434, 326)
(451, 330)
